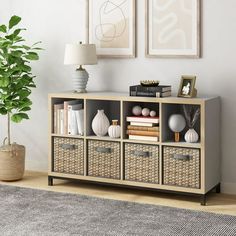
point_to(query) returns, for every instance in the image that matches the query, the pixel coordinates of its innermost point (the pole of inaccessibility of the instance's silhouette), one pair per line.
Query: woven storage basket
(104, 159)
(68, 156)
(142, 163)
(181, 167)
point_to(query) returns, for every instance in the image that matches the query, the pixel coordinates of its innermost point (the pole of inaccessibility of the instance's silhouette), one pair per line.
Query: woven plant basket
(12, 162)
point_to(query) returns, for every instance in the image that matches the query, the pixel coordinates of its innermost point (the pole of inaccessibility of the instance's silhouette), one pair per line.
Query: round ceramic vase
(191, 136)
(114, 130)
(100, 124)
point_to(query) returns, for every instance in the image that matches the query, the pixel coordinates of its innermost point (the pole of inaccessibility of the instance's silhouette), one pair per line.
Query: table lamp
(80, 54)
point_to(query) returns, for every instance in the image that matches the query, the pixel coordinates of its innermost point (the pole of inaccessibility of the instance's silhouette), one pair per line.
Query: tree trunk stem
(8, 129)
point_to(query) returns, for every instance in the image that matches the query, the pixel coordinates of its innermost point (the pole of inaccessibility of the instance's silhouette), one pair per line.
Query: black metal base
(50, 181)
(203, 197)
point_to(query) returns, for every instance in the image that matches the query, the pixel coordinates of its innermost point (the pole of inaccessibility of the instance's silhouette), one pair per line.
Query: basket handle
(181, 157)
(141, 153)
(68, 146)
(103, 150)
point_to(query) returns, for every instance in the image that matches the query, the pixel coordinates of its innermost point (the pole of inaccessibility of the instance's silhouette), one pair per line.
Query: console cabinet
(188, 168)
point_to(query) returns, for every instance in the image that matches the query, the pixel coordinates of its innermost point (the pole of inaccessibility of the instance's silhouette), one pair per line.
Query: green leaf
(18, 117)
(3, 111)
(32, 56)
(4, 82)
(25, 109)
(24, 93)
(17, 31)
(17, 53)
(3, 28)
(14, 21)
(25, 68)
(25, 47)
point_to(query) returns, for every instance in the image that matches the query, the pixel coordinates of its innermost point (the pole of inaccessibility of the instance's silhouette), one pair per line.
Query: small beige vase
(12, 162)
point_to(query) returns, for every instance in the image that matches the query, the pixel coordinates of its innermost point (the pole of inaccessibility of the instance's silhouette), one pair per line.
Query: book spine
(58, 121)
(80, 121)
(143, 128)
(159, 89)
(142, 124)
(69, 121)
(65, 117)
(61, 121)
(74, 129)
(146, 138)
(150, 94)
(55, 119)
(143, 133)
(154, 120)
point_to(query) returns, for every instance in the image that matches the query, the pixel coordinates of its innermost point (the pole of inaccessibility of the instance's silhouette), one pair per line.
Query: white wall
(57, 22)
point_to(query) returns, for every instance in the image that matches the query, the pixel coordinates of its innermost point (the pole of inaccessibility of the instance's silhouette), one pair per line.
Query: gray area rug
(32, 212)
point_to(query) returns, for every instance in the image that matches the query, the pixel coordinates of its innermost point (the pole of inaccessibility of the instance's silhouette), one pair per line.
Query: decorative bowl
(149, 83)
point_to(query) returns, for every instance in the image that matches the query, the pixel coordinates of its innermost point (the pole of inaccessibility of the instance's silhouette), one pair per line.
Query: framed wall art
(173, 28)
(112, 27)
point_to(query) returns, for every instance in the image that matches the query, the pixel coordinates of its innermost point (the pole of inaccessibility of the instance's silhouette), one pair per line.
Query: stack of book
(69, 118)
(143, 128)
(157, 91)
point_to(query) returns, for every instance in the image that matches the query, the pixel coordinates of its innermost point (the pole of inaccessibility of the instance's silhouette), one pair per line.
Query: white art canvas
(112, 27)
(173, 28)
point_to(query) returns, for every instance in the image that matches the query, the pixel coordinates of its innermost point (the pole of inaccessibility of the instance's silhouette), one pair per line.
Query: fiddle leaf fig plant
(16, 78)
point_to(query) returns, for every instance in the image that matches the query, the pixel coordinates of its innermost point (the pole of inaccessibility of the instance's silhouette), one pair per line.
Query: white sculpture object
(145, 112)
(177, 123)
(153, 113)
(137, 110)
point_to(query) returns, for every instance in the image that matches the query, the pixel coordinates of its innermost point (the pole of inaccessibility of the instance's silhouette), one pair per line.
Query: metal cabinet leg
(218, 188)
(50, 181)
(203, 200)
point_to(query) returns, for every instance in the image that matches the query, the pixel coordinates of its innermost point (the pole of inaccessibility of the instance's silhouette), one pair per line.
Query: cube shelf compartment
(165, 165)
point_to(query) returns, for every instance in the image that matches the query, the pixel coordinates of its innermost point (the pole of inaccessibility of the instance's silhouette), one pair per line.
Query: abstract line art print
(112, 27)
(173, 28)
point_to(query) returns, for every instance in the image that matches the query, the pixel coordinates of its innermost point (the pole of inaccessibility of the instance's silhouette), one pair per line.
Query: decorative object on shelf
(187, 86)
(149, 83)
(112, 27)
(80, 54)
(137, 110)
(179, 40)
(177, 123)
(16, 83)
(192, 114)
(100, 124)
(153, 113)
(114, 130)
(145, 111)
(152, 91)
(191, 136)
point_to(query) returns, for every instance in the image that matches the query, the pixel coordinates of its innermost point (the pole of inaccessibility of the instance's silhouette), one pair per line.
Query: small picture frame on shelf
(187, 86)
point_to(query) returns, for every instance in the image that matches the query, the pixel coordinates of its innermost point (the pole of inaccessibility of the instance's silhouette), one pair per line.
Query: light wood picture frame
(112, 27)
(173, 28)
(187, 86)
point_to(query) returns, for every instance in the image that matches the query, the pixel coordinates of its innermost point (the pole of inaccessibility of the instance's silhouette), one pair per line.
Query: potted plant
(16, 82)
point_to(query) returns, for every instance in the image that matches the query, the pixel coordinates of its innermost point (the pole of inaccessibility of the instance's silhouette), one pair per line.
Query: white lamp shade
(80, 54)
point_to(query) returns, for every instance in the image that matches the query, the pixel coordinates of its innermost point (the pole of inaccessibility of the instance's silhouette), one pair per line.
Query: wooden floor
(217, 203)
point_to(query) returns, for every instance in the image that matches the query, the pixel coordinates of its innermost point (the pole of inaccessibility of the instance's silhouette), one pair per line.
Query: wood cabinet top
(125, 97)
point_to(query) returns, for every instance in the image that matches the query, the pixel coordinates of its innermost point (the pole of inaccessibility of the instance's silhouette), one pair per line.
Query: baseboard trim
(229, 188)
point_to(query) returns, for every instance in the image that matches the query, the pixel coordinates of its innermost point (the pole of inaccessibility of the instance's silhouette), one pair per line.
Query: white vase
(191, 136)
(114, 130)
(100, 124)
